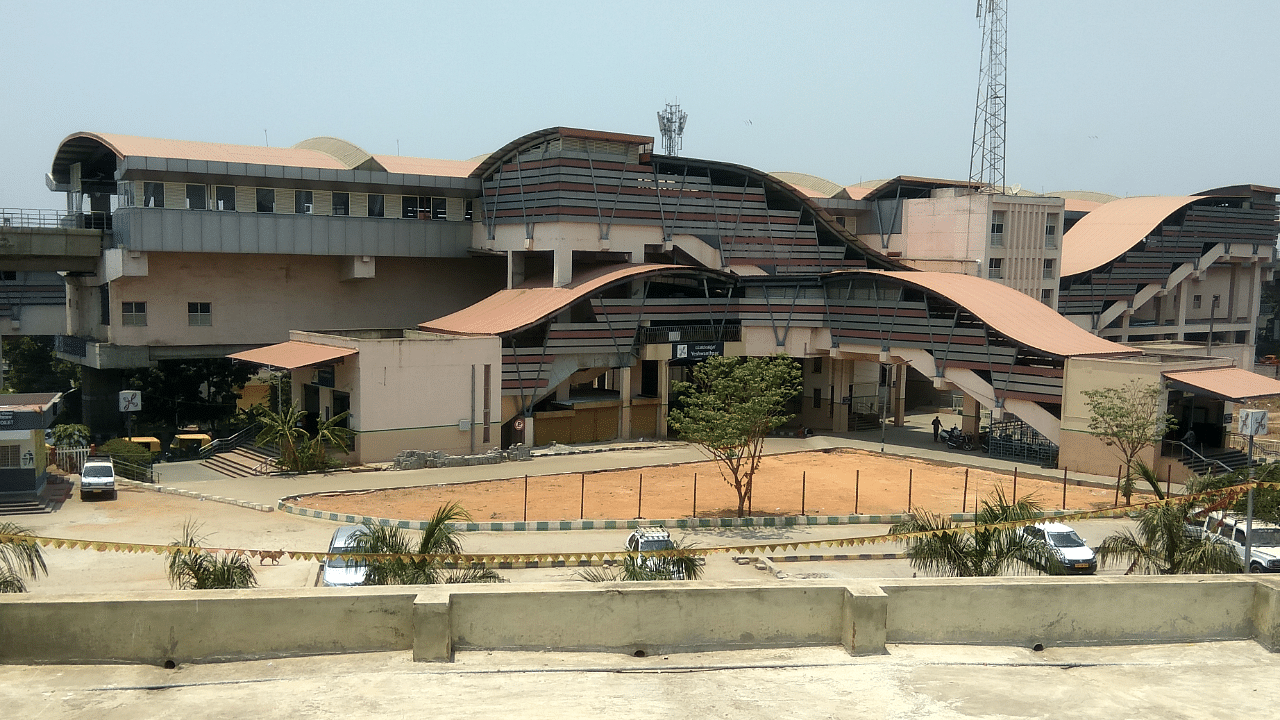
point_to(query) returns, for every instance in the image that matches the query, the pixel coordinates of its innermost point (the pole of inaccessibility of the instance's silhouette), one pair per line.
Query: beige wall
(226, 625)
(259, 299)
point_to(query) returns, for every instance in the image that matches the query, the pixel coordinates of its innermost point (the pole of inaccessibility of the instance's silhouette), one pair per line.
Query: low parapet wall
(434, 621)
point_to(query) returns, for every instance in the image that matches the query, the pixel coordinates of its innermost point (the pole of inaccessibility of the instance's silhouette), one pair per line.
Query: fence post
(695, 495)
(1015, 485)
(1064, 488)
(910, 479)
(1118, 471)
(803, 478)
(964, 499)
(640, 498)
(1168, 479)
(582, 503)
(526, 498)
(857, 480)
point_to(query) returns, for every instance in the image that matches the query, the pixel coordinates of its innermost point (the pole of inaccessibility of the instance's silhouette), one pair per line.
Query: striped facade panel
(246, 199)
(591, 338)
(285, 201)
(524, 371)
(359, 205)
(175, 195)
(322, 202)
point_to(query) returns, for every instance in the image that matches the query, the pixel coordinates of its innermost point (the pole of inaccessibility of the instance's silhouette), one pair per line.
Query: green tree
(439, 537)
(176, 393)
(1164, 544)
(1128, 418)
(20, 558)
(1266, 501)
(729, 407)
(299, 451)
(986, 550)
(70, 435)
(34, 368)
(191, 567)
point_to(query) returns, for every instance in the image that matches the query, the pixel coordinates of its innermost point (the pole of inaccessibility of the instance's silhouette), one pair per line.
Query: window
(341, 203)
(302, 202)
(376, 206)
(439, 209)
(133, 313)
(200, 314)
(411, 204)
(196, 197)
(9, 275)
(1195, 302)
(10, 456)
(467, 215)
(997, 228)
(817, 398)
(104, 304)
(817, 365)
(153, 194)
(995, 268)
(225, 197)
(1046, 297)
(1051, 231)
(1048, 269)
(266, 200)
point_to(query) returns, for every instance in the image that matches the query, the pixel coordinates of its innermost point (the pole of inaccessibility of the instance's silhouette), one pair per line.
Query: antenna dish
(1017, 188)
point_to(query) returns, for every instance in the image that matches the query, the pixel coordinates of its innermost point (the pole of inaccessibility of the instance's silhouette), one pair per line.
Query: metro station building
(551, 290)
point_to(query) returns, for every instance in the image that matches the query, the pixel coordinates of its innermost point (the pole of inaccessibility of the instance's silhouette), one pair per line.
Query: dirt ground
(831, 483)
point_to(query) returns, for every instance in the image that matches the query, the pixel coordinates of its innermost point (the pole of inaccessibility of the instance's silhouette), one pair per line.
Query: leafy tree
(438, 538)
(299, 451)
(126, 451)
(176, 393)
(986, 550)
(1163, 545)
(70, 435)
(1266, 501)
(730, 406)
(1128, 418)
(191, 567)
(19, 558)
(34, 368)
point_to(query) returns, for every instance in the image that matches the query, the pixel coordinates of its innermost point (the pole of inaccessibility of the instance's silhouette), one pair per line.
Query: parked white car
(1075, 555)
(98, 476)
(337, 571)
(648, 539)
(1230, 529)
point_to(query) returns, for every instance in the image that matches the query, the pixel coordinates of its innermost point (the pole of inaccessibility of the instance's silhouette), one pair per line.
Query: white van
(1230, 529)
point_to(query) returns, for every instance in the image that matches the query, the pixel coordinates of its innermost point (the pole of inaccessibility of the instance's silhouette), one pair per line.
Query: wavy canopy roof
(1019, 317)
(1111, 229)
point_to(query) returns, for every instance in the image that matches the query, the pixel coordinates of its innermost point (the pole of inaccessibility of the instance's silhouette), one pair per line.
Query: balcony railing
(690, 333)
(25, 218)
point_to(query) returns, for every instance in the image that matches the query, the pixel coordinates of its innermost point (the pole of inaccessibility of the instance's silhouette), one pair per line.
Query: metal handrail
(1268, 447)
(1203, 459)
(131, 471)
(29, 218)
(228, 443)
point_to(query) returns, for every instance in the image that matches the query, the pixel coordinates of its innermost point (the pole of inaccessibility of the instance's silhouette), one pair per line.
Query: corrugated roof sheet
(426, 166)
(293, 354)
(510, 310)
(1226, 383)
(1109, 230)
(1077, 205)
(132, 146)
(1017, 316)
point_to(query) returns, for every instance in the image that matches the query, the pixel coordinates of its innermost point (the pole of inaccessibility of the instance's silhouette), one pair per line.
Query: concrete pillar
(664, 392)
(899, 395)
(841, 371)
(562, 273)
(972, 413)
(1183, 299)
(624, 394)
(515, 268)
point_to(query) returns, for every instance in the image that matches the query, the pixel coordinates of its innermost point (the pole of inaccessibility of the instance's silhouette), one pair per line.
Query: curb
(199, 496)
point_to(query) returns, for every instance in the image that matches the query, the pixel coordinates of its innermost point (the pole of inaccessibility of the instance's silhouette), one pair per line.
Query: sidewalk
(914, 439)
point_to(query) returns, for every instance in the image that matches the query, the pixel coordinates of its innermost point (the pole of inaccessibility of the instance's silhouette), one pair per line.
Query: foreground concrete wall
(434, 621)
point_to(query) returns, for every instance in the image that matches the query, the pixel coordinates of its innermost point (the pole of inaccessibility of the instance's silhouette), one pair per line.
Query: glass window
(995, 268)
(377, 206)
(817, 364)
(1046, 297)
(196, 197)
(1195, 302)
(302, 202)
(1048, 269)
(997, 228)
(133, 313)
(410, 204)
(266, 200)
(817, 397)
(153, 194)
(1051, 230)
(439, 208)
(467, 215)
(10, 456)
(225, 197)
(200, 313)
(341, 203)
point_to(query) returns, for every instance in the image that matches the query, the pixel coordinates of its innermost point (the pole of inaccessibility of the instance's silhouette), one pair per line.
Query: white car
(1264, 550)
(1072, 552)
(98, 476)
(342, 573)
(648, 539)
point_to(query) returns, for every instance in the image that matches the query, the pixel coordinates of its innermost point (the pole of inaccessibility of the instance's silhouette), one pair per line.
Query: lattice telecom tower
(986, 160)
(671, 124)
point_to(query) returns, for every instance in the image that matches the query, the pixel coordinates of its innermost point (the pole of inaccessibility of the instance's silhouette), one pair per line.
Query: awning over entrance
(293, 354)
(1231, 384)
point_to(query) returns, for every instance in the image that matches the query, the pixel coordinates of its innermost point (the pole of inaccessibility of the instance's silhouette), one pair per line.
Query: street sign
(130, 400)
(1253, 422)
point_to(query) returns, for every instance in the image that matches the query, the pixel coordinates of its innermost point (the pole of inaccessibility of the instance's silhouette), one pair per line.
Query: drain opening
(1038, 647)
(638, 653)
(169, 664)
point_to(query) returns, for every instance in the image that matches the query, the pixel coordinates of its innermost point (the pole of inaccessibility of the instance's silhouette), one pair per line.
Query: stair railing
(1207, 461)
(229, 443)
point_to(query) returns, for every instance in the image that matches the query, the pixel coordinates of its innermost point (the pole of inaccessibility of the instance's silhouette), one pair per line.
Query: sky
(1126, 97)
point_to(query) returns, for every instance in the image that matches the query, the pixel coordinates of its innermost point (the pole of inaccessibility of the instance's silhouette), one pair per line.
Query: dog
(272, 555)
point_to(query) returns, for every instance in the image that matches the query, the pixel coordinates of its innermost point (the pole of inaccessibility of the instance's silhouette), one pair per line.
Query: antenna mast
(671, 125)
(986, 160)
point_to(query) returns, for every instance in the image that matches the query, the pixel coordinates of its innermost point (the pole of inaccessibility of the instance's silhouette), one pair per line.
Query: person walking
(937, 426)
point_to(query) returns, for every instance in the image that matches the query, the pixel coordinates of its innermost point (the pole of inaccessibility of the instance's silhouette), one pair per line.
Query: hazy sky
(1128, 97)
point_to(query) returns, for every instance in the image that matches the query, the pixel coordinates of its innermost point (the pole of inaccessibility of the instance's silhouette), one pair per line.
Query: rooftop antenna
(986, 159)
(671, 124)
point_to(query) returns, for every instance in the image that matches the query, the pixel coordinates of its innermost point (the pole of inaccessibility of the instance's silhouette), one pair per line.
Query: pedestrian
(1189, 440)
(937, 426)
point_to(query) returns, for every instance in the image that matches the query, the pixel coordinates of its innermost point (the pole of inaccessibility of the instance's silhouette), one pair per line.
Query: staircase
(1233, 459)
(863, 421)
(243, 461)
(55, 492)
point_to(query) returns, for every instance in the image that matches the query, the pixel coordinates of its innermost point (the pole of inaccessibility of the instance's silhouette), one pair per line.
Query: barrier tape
(477, 559)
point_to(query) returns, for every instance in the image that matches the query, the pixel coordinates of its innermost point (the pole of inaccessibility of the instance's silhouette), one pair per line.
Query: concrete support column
(664, 393)
(841, 371)
(972, 414)
(562, 274)
(624, 394)
(899, 395)
(515, 268)
(1255, 303)
(1183, 299)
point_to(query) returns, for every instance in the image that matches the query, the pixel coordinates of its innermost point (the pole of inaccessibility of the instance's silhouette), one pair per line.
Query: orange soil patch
(833, 483)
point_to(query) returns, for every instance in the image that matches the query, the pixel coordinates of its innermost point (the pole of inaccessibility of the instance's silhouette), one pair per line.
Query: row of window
(995, 268)
(223, 198)
(199, 314)
(997, 229)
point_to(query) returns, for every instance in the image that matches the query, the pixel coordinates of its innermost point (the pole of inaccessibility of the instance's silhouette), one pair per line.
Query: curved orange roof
(133, 146)
(1019, 317)
(1109, 230)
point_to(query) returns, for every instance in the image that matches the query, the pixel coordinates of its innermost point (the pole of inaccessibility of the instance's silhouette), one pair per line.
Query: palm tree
(985, 551)
(193, 568)
(284, 430)
(676, 566)
(19, 558)
(330, 432)
(1165, 545)
(438, 538)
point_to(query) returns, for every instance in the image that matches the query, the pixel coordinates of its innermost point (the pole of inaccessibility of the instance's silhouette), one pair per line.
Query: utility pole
(986, 159)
